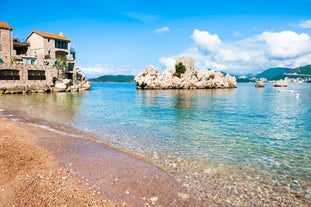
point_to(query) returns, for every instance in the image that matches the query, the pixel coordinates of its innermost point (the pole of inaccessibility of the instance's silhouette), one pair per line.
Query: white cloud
(96, 70)
(305, 24)
(205, 40)
(163, 29)
(236, 34)
(285, 44)
(168, 62)
(141, 16)
(249, 55)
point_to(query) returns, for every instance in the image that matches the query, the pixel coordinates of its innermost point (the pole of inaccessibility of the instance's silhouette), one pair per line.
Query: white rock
(151, 79)
(154, 199)
(183, 196)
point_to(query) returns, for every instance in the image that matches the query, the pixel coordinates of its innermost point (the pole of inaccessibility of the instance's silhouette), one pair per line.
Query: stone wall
(36, 47)
(6, 45)
(25, 85)
(187, 62)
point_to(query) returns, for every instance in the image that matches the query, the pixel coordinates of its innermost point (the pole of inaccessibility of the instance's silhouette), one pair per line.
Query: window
(0, 33)
(36, 75)
(9, 74)
(0, 47)
(48, 39)
(61, 44)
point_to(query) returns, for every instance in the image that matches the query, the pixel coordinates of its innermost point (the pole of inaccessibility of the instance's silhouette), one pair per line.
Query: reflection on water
(55, 106)
(259, 131)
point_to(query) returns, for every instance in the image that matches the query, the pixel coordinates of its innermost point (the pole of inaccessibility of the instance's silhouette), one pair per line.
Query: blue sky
(123, 36)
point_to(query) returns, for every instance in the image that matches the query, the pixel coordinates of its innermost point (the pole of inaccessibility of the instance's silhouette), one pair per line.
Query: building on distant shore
(36, 63)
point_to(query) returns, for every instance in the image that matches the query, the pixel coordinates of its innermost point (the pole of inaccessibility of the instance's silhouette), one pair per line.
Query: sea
(246, 146)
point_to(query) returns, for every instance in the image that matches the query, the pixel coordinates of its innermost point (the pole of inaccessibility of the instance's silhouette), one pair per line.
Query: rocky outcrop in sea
(150, 78)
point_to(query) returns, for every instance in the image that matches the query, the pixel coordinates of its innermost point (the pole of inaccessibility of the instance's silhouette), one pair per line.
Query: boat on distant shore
(280, 83)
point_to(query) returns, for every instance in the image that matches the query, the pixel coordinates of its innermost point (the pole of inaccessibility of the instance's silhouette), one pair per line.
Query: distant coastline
(271, 74)
(113, 79)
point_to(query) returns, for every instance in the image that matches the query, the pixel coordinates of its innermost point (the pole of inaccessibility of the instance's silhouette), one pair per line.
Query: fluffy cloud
(168, 62)
(163, 29)
(286, 44)
(305, 24)
(249, 55)
(206, 41)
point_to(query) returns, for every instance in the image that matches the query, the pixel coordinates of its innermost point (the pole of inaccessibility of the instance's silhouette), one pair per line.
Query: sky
(124, 36)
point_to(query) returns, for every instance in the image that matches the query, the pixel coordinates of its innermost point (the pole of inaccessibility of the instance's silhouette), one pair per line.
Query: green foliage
(211, 76)
(113, 79)
(61, 63)
(15, 60)
(180, 69)
(195, 74)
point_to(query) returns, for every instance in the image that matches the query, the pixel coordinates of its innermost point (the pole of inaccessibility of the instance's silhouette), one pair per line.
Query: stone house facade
(34, 65)
(51, 49)
(6, 42)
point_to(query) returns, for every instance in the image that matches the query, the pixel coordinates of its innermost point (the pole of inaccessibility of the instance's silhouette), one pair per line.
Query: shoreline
(203, 181)
(78, 171)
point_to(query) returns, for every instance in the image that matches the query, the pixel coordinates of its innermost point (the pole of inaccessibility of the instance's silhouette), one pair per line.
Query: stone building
(6, 42)
(50, 49)
(38, 64)
(187, 62)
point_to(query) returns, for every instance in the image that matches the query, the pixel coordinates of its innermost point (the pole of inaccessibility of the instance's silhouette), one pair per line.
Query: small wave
(45, 127)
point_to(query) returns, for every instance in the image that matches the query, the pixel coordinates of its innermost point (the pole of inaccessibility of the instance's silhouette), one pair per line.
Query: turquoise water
(250, 129)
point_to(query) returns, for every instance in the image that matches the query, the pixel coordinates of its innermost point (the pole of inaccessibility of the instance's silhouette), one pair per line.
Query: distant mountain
(273, 73)
(303, 70)
(113, 79)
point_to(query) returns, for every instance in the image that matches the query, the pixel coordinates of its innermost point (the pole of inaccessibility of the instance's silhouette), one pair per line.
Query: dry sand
(43, 168)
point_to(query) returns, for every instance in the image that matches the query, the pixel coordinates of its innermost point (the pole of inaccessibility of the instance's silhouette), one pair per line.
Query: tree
(61, 65)
(179, 69)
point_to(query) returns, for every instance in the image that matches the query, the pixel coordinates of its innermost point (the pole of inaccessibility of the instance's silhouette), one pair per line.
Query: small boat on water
(280, 83)
(260, 84)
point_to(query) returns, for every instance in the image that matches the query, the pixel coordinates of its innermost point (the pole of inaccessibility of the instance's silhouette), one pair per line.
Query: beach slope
(43, 168)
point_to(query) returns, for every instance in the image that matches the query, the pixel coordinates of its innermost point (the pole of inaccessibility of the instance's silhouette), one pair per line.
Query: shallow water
(249, 139)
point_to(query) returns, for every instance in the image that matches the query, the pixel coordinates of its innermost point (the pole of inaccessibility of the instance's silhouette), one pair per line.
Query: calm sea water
(267, 129)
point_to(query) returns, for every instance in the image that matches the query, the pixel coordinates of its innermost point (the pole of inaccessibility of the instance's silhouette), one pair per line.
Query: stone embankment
(24, 78)
(65, 85)
(191, 79)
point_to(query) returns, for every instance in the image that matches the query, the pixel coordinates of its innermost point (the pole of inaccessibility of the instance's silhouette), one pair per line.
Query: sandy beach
(43, 168)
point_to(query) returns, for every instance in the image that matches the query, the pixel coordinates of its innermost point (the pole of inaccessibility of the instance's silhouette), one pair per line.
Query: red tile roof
(5, 25)
(52, 36)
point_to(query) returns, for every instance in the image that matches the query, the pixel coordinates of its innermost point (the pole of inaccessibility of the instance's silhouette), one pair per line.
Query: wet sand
(40, 167)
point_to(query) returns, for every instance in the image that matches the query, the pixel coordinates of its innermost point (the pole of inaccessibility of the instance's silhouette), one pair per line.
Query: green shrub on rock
(180, 69)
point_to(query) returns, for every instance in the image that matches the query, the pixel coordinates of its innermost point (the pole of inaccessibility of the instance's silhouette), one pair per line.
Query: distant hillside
(303, 70)
(299, 72)
(273, 73)
(113, 79)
